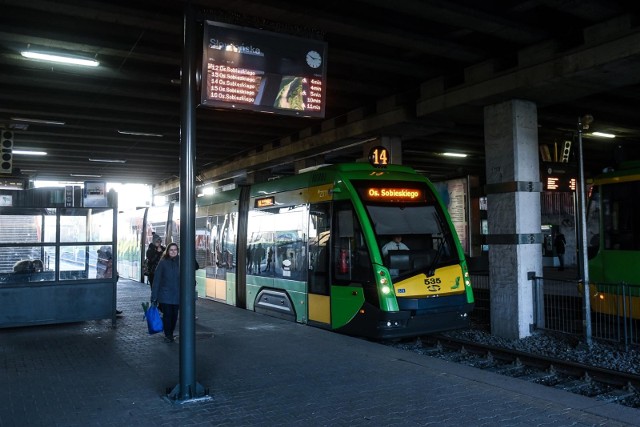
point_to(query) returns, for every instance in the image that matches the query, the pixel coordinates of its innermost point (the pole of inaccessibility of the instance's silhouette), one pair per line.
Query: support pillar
(513, 212)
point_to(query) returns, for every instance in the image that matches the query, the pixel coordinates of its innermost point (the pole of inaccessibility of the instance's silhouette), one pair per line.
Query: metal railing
(559, 307)
(481, 314)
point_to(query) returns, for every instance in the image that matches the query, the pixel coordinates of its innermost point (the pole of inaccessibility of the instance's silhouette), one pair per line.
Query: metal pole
(187, 388)
(583, 123)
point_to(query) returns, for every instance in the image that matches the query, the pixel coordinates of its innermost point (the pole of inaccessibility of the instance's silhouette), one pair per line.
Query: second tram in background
(309, 248)
(613, 228)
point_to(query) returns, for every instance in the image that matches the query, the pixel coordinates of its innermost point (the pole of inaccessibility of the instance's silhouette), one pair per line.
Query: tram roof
(420, 71)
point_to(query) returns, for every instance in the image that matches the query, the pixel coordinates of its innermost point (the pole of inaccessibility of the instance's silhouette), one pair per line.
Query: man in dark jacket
(153, 255)
(560, 243)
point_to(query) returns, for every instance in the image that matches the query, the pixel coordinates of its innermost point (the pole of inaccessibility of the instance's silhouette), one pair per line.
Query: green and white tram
(308, 248)
(614, 241)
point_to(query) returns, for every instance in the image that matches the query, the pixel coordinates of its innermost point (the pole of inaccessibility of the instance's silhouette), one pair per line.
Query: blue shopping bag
(154, 321)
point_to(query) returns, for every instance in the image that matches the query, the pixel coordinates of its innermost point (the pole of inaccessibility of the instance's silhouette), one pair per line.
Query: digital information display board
(249, 69)
(558, 177)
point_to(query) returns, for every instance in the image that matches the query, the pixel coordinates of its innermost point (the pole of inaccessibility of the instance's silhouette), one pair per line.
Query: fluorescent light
(603, 135)
(60, 59)
(454, 154)
(134, 133)
(107, 160)
(30, 153)
(39, 121)
(85, 175)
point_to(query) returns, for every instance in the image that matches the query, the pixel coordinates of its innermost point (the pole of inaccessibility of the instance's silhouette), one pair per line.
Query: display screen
(559, 183)
(558, 177)
(392, 194)
(257, 70)
(265, 202)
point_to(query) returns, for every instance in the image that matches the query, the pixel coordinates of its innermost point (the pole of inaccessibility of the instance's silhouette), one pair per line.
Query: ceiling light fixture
(71, 60)
(38, 121)
(603, 134)
(107, 160)
(30, 153)
(454, 154)
(86, 175)
(134, 133)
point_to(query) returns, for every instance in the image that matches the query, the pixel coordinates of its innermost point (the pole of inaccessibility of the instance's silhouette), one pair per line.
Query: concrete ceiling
(417, 70)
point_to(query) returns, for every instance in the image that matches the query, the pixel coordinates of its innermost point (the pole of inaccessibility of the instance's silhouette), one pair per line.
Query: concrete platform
(260, 371)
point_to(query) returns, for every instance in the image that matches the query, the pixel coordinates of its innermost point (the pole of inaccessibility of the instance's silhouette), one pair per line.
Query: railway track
(599, 383)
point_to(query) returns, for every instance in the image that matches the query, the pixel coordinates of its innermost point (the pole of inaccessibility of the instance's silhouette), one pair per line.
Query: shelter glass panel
(26, 264)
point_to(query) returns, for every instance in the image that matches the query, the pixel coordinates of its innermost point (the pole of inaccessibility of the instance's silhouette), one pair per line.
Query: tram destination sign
(392, 194)
(249, 69)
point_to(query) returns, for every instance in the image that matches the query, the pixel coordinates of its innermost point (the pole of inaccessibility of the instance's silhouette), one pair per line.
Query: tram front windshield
(408, 216)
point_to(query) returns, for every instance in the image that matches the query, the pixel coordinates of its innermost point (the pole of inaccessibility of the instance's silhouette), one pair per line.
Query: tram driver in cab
(394, 245)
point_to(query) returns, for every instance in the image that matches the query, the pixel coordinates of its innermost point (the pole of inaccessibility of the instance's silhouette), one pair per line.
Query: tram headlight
(384, 282)
(383, 278)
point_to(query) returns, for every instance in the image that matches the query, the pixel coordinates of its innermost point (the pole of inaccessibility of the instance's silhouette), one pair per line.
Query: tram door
(319, 304)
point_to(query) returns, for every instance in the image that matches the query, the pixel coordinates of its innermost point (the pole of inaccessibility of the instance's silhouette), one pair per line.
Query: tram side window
(216, 241)
(227, 241)
(202, 241)
(277, 242)
(351, 258)
(621, 208)
(319, 237)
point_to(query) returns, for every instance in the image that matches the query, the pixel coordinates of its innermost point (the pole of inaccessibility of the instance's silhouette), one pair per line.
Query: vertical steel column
(583, 123)
(187, 388)
(112, 201)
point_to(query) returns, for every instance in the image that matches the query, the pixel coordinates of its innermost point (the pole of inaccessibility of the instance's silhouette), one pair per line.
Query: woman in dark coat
(166, 289)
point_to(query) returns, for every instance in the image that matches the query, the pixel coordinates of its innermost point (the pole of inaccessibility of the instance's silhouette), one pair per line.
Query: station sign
(249, 69)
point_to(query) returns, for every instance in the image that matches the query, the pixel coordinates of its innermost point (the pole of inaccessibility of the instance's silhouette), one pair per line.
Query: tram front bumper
(373, 323)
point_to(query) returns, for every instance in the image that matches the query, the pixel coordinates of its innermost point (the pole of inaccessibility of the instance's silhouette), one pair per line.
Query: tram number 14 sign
(379, 157)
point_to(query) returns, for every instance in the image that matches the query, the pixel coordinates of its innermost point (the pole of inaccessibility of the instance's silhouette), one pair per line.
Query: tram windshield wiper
(445, 235)
(432, 268)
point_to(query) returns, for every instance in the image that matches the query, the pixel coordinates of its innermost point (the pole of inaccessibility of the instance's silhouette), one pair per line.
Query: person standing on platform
(154, 253)
(165, 290)
(560, 244)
